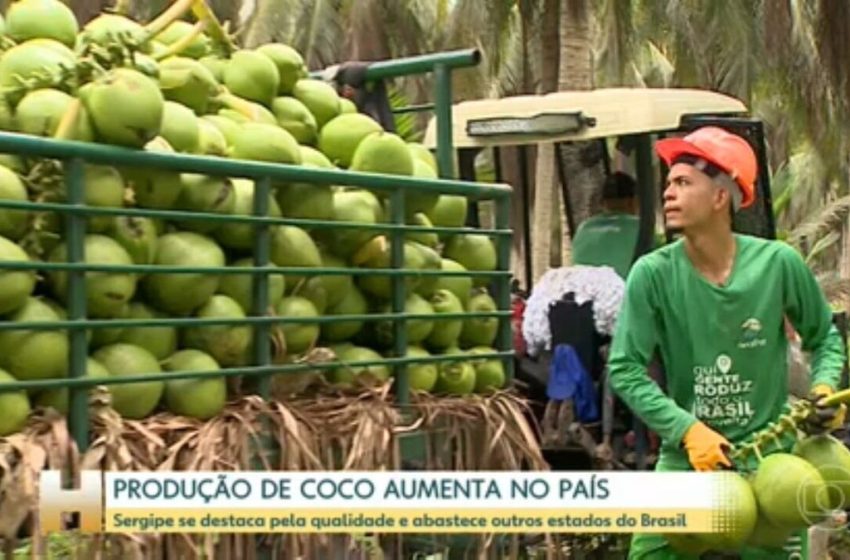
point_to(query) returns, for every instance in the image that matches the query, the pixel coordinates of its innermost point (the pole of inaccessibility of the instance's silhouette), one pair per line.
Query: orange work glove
(824, 418)
(706, 448)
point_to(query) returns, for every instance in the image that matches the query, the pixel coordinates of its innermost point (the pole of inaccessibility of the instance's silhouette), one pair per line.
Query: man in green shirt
(609, 239)
(713, 304)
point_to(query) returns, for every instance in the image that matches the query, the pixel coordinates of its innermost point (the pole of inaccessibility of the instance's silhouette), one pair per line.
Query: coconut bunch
(785, 490)
(179, 84)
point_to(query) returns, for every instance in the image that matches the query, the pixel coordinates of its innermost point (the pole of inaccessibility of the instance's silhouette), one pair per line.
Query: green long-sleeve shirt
(723, 348)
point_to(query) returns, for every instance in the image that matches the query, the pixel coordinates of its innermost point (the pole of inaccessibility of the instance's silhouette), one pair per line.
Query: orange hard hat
(729, 152)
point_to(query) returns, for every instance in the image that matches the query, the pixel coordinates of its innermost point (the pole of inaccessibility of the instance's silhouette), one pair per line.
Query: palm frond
(317, 32)
(826, 220)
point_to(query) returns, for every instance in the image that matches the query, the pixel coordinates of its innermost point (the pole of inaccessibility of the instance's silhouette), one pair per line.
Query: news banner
(386, 502)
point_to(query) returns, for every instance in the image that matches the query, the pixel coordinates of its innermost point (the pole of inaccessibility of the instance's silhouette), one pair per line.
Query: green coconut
(253, 76)
(106, 292)
(110, 28)
(352, 303)
(449, 211)
(299, 337)
(104, 188)
(429, 239)
(41, 19)
(352, 206)
(455, 378)
(292, 246)
(421, 201)
(131, 400)
(319, 97)
(176, 31)
(242, 236)
(242, 111)
(142, 106)
(832, 460)
(212, 140)
(7, 123)
(326, 290)
(161, 341)
(289, 62)
(43, 58)
(137, 235)
(341, 136)
(347, 106)
(382, 152)
(348, 374)
(421, 376)
(180, 294)
(59, 399)
(264, 142)
(188, 82)
(787, 488)
(227, 127)
(13, 223)
(15, 406)
(215, 65)
(480, 331)
(309, 201)
(154, 187)
(431, 261)
(423, 154)
(225, 343)
(295, 118)
(40, 112)
(475, 252)
(32, 355)
(768, 536)
(312, 156)
(377, 254)
(16, 286)
(195, 398)
(446, 332)
(180, 128)
(417, 329)
(240, 286)
(212, 194)
(741, 513)
(489, 372)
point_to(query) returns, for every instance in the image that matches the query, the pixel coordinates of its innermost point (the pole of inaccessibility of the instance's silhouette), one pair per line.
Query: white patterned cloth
(599, 284)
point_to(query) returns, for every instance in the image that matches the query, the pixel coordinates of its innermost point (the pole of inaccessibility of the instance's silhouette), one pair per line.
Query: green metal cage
(73, 155)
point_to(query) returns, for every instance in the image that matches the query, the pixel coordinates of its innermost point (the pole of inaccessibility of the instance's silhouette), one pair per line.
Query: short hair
(619, 185)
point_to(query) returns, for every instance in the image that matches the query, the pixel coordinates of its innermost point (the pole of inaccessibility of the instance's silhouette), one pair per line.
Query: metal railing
(74, 155)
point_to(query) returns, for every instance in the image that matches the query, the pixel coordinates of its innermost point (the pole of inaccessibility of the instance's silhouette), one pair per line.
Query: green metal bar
(260, 287)
(258, 320)
(24, 144)
(422, 64)
(237, 218)
(503, 292)
(75, 231)
(399, 297)
(262, 341)
(88, 382)
(163, 269)
(443, 101)
(420, 108)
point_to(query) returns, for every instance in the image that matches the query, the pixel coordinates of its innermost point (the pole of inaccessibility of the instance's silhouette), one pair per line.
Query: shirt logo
(751, 334)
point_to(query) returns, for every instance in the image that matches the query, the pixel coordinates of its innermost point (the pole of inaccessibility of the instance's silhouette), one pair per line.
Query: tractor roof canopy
(578, 115)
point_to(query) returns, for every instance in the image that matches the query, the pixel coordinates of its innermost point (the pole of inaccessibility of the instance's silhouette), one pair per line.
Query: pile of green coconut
(180, 84)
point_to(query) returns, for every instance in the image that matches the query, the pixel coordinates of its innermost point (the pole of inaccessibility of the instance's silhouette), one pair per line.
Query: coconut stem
(217, 33)
(68, 125)
(236, 103)
(167, 17)
(177, 47)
